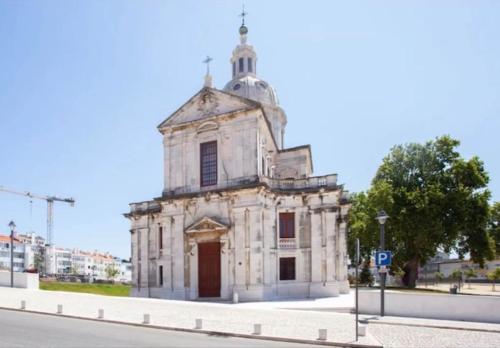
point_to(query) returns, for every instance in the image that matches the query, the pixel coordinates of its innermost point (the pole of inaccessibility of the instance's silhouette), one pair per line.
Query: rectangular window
(234, 68)
(160, 274)
(240, 65)
(208, 163)
(250, 65)
(139, 252)
(287, 225)
(287, 268)
(160, 237)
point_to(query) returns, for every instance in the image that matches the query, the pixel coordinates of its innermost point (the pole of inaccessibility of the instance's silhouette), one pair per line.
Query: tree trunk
(411, 273)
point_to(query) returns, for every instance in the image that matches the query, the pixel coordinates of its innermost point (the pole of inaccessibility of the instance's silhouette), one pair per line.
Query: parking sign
(383, 258)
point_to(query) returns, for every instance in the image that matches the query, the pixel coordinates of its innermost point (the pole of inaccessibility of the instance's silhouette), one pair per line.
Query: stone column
(315, 247)
(178, 256)
(342, 265)
(239, 248)
(193, 269)
(224, 265)
(331, 224)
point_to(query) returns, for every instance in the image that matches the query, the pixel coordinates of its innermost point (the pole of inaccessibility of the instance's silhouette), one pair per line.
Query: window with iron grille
(208, 163)
(287, 268)
(287, 225)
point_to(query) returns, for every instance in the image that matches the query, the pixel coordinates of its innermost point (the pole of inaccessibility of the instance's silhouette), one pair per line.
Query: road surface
(18, 329)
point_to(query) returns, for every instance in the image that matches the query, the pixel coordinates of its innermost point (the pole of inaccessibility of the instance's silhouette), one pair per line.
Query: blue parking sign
(383, 258)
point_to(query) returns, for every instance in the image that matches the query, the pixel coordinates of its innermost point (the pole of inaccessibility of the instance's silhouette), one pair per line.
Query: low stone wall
(21, 280)
(435, 306)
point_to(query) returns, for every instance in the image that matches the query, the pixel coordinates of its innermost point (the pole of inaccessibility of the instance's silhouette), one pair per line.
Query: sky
(83, 85)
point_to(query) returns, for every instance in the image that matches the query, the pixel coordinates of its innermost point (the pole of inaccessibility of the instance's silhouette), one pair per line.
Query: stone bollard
(362, 330)
(100, 314)
(322, 333)
(235, 297)
(257, 329)
(147, 319)
(198, 324)
(59, 309)
(23, 304)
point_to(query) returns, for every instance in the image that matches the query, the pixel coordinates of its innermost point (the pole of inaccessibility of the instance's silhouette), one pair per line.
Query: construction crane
(50, 207)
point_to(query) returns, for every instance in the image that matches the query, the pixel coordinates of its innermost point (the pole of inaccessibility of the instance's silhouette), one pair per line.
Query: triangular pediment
(206, 224)
(208, 102)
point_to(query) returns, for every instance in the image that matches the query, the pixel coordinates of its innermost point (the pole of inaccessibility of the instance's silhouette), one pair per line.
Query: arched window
(250, 65)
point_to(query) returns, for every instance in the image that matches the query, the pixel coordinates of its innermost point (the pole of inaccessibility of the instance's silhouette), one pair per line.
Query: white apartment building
(23, 254)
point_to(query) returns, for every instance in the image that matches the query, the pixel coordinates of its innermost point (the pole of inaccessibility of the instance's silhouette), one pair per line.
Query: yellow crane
(50, 207)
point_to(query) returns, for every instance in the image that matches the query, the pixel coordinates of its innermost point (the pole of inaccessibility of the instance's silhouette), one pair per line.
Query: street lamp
(382, 218)
(12, 227)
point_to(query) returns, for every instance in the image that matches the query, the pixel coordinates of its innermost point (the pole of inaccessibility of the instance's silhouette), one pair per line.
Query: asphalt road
(18, 329)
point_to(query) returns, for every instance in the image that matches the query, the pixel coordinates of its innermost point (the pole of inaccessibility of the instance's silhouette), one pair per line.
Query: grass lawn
(99, 289)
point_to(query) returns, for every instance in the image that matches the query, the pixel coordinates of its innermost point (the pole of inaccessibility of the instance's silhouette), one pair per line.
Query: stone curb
(207, 332)
(374, 322)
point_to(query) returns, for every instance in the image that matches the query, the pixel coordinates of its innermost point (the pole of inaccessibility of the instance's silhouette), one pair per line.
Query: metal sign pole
(357, 285)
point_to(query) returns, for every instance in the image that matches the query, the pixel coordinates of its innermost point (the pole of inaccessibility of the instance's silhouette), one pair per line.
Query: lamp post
(12, 227)
(382, 218)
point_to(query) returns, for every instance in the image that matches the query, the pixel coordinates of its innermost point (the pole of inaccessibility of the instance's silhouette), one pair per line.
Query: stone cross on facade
(208, 78)
(207, 62)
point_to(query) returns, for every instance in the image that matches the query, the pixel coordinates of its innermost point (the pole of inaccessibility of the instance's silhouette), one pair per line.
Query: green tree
(38, 262)
(494, 276)
(456, 276)
(111, 272)
(365, 276)
(435, 200)
(469, 274)
(494, 226)
(439, 276)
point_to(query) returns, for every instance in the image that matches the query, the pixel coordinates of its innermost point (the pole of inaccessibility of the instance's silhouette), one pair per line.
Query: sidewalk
(218, 317)
(303, 322)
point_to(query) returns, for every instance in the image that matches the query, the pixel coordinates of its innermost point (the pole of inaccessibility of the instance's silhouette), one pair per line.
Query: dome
(251, 87)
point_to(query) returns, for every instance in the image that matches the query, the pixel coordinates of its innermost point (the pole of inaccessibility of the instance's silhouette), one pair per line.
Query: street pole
(357, 285)
(11, 258)
(383, 274)
(12, 226)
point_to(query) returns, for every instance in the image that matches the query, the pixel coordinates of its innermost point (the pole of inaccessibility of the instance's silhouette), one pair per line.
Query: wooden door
(209, 269)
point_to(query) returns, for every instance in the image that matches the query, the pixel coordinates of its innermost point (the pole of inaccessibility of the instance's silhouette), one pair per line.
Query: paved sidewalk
(276, 322)
(342, 303)
(182, 314)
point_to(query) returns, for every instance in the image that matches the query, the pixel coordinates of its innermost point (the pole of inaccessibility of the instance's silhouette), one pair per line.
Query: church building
(240, 214)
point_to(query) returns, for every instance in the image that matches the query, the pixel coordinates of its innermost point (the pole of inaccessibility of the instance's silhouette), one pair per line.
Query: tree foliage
(494, 226)
(494, 276)
(435, 200)
(111, 272)
(366, 276)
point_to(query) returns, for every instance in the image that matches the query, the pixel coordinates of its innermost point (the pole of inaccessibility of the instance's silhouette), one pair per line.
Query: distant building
(23, 256)
(446, 267)
(31, 253)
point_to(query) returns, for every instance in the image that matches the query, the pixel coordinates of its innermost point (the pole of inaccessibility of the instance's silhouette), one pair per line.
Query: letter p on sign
(383, 258)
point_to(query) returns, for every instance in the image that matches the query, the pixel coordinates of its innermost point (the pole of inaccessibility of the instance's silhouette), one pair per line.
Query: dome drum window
(240, 65)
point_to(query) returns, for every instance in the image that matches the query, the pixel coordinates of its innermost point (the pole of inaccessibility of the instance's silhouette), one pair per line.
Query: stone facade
(255, 182)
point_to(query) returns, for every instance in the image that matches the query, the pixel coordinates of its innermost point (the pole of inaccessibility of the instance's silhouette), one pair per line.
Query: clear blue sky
(83, 85)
